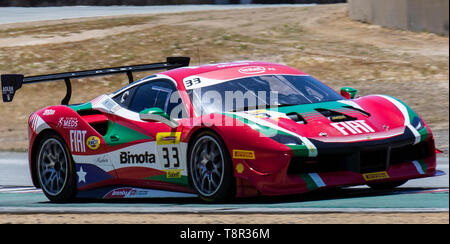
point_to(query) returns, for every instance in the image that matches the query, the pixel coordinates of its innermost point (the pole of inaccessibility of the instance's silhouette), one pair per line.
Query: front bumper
(395, 159)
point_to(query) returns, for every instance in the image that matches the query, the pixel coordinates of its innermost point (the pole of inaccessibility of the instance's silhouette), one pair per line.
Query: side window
(124, 98)
(160, 94)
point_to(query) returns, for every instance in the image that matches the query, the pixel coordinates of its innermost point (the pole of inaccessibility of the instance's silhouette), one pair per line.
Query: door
(155, 156)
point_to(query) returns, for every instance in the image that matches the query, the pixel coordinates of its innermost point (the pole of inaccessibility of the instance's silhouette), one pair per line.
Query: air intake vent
(297, 118)
(335, 116)
(367, 114)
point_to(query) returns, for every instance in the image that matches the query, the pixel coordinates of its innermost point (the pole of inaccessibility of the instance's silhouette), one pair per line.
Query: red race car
(220, 131)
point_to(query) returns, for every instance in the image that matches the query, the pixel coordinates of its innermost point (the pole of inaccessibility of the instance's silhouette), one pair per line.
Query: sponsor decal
(243, 154)
(68, 122)
(164, 138)
(376, 176)
(121, 193)
(239, 168)
(338, 117)
(102, 160)
(353, 127)
(8, 89)
(250, 70)
(77, 140)
(173, 173)
(130, 192)
(129, 158)
(93, 142)
(48, 112)
(261, 113)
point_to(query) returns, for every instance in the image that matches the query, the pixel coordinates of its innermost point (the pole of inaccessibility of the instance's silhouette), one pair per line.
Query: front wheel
(210, 168)
(55, 169)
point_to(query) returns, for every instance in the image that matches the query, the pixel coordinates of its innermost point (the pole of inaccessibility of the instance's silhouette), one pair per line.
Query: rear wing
(13, 82)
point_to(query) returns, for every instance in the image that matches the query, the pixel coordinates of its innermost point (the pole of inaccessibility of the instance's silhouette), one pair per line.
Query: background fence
(416, 15)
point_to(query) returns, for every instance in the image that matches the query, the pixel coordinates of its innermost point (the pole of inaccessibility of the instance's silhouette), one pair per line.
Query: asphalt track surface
(17, 195)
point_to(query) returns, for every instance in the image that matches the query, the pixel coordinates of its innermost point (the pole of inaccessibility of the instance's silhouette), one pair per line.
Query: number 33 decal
(170, 150)
(170, 155)
(189, 83)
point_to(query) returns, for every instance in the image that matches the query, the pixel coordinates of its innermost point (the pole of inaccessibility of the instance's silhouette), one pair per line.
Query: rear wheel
(210, 168)
(55, 169)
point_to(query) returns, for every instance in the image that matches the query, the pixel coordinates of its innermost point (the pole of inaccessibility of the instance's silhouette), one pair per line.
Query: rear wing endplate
(13, 82)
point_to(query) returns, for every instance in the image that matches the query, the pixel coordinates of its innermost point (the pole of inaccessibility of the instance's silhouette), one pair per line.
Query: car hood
(336, 121)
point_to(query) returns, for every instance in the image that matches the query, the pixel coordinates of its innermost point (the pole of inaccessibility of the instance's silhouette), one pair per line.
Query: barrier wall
(415, 15)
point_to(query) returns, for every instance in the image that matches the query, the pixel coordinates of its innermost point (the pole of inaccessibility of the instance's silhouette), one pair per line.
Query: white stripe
(19, 190)
(351, 103)
(416, 133)
(40, 125)
(316, 178)
(400, 106)
(404, 111)
(418, 167)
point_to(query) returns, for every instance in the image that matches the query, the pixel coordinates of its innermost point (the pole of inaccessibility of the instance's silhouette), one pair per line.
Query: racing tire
(387, 185)
(210, 169)
(56, 169)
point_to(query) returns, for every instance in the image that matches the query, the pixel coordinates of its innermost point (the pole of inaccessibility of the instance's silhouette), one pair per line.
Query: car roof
(228, 71)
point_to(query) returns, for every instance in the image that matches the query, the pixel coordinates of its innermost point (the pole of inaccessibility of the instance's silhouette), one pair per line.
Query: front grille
(373, 160)
(363, 161)
(324, 163)
(409, 153)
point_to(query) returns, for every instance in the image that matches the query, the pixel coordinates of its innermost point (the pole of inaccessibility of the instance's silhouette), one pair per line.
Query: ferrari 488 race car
(220, 131)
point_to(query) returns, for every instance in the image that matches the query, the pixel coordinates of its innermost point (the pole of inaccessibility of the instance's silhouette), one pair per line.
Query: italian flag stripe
(421, 166)
(312, 180)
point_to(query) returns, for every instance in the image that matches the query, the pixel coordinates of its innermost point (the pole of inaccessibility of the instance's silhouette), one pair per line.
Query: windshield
(260, 92)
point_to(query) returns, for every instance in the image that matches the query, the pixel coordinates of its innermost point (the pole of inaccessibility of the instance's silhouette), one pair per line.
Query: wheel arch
(33, 154)
(200, 130)
(219, 136)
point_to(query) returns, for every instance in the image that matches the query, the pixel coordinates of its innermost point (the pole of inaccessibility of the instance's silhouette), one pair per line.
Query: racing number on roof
(194, 81)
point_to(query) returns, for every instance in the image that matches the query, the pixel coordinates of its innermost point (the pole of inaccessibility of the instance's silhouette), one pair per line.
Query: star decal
(81, 175)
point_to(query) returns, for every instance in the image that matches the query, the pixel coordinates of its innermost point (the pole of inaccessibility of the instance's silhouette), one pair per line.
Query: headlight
(417, 123)
(287, 139)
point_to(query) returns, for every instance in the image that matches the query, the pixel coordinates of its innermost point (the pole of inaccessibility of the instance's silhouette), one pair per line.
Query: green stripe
(118, 134)
(423, 165)
(80, 107)
(299, 150)
(267, 131)
(309, 108)
(179, 181)
(310, 184)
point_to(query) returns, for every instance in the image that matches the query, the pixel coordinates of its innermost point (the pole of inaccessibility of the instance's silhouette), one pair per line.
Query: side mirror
(157, 115)
(348, 92)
